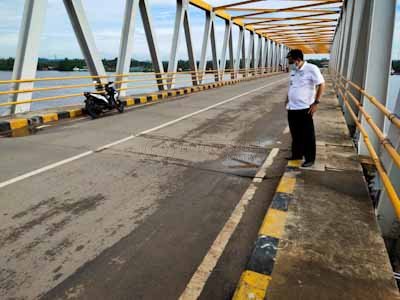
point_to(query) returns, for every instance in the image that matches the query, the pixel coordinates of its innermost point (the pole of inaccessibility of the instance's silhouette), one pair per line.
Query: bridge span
(189, 194)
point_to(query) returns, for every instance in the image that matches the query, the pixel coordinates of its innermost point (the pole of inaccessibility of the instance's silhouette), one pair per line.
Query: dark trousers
(303, 135)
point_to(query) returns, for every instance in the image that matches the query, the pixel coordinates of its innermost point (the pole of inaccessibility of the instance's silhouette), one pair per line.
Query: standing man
(305, 91)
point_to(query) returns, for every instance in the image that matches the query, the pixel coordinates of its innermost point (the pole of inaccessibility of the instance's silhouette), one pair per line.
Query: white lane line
(73, 158)
(200, 277)
(268, 162)
(44, 169)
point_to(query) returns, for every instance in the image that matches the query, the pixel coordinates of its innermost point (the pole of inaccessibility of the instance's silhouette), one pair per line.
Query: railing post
(26, 58)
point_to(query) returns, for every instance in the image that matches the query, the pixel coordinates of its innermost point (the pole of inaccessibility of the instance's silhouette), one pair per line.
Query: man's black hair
(296, 54)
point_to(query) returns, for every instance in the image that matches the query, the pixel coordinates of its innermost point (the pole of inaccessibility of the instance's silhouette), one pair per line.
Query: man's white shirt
(302, 86)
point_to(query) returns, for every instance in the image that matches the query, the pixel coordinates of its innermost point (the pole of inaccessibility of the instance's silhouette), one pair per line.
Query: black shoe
(293, 158)
(307, 164)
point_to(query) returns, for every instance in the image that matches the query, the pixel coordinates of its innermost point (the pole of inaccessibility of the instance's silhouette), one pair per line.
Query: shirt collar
(302, 67)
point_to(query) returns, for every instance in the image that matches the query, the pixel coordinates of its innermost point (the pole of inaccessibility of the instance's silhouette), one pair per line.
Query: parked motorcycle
(98, 103)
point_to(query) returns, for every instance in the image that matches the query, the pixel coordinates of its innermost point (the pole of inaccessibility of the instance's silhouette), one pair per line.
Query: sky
(105, 19)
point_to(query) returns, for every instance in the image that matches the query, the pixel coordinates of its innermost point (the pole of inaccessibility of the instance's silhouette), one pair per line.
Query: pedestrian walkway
(320, 238)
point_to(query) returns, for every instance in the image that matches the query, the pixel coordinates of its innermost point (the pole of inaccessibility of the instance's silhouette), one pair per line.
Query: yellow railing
(343, 87)
(156, 80)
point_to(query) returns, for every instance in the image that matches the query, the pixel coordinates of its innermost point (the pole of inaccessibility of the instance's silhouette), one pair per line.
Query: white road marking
(268, 162)
(43, 126)
(200, 277)
(79, 156)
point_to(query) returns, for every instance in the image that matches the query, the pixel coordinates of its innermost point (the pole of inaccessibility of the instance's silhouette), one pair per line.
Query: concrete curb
(8, 126)
(254, 281)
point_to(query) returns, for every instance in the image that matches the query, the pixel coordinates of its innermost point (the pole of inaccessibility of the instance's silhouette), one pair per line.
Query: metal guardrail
(165, 79)
(343, 87)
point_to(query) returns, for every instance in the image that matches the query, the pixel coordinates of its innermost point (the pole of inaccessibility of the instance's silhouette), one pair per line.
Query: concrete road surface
(137, 219)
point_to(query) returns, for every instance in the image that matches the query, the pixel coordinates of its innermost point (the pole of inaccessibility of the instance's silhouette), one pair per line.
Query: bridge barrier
(167, 90)
(168, 79)
(343, 87)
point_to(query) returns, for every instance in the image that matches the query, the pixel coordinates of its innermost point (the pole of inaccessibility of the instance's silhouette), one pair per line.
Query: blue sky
(105, 20)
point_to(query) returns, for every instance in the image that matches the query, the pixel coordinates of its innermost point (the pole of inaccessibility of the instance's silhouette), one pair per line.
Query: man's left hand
(313, 109)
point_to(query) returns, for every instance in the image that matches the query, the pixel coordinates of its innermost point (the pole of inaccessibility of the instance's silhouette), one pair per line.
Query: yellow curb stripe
(143, 99)
(130, 102)
(294, 163)
(50, 117)
(252, 286)
(75, 113)
(164, 94)
(286, 185)
(274, 223)
(154, 97)
(18, 123)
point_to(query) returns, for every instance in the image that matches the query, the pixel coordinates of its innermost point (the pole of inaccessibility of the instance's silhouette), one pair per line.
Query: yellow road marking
(50, 117)
(75, 113)
(286, 185)
(18, 123)
(274, 223)
(252, 285)
(130, 102)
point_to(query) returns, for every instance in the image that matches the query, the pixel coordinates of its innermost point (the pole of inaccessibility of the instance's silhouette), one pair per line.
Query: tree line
(68, 64)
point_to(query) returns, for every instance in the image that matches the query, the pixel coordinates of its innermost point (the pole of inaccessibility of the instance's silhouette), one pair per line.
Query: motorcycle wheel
(120, 106)
(91, 110)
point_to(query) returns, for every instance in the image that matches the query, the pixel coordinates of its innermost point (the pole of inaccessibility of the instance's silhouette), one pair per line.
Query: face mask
(292, 67)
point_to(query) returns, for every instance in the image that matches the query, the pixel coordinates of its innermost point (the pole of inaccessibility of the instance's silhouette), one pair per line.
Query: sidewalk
(320, 238)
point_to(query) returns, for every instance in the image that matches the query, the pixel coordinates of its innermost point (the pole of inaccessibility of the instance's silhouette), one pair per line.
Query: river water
(137, 87)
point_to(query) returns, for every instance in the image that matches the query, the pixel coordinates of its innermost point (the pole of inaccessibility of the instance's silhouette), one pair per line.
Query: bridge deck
(135, 219)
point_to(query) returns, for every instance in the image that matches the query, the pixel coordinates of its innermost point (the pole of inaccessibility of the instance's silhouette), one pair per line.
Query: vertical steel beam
(238, 51)
(151, 42)
(225, 45)
(26, 58)
(243, 61)
(388, 222)
(257, 63)
(231, 55)
(85, 37)
(264, 55)
(209, 34)
(355, 65)
(272, 57)
(190, 48)
(250, 54)
(269, 55)
(379, 49)
(214, 50)
(126, 44)
(181, 21)
(377, 74)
